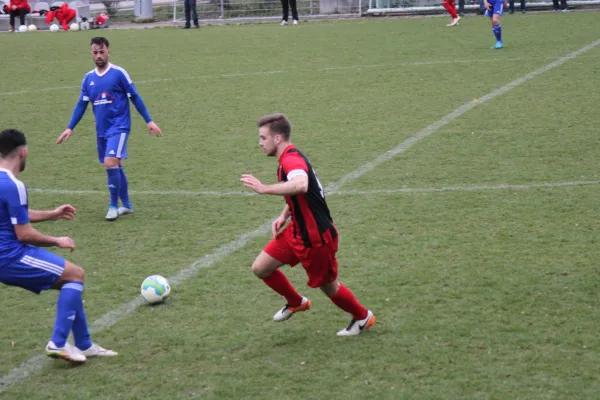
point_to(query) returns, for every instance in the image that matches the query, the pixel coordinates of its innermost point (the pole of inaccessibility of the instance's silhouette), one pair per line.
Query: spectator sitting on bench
(63, 14)
(20, 8)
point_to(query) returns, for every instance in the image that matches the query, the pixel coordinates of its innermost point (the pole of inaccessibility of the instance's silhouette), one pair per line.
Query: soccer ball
(74, 27)
(53, 28)
(32, 28)
(23, 28)
(155, 289)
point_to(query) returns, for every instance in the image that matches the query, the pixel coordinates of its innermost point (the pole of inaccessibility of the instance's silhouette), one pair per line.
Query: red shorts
(319, 262)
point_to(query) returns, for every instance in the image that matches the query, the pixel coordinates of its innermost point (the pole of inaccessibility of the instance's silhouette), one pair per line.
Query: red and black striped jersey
(311, 221)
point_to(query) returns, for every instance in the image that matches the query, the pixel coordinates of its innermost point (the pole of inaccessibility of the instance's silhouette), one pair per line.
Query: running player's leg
(266, 267)
(322, 269)
(449, 5)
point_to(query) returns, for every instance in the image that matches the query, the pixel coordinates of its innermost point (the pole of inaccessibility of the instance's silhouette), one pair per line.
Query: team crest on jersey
(103, 98)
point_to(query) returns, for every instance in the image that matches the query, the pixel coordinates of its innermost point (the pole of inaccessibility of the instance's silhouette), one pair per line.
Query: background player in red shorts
(450, 6)
(310, 239)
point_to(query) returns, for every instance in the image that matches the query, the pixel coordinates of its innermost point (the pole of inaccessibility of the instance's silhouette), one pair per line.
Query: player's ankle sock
(114, 185)
(124, 189)
(497, 29)
(81, 334)
(66, 306)
(451, 9)
(280, 283)
(345, 300)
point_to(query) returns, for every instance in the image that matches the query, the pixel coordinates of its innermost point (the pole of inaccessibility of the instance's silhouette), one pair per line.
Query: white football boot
(286, 312)
(124, 211)
(98, 351)
(112, 214)
(68, 353)
(357, 326)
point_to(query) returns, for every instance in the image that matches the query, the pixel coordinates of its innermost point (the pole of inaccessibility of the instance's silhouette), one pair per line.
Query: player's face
(267, 141)
(23, 157)
(100, 55)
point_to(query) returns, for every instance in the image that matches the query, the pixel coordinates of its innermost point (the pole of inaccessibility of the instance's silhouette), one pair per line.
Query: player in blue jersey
(494, 9)
(35, 269)
(109, 88)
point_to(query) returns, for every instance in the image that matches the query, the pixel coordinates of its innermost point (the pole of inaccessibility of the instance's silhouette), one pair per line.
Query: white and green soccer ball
(155, 289)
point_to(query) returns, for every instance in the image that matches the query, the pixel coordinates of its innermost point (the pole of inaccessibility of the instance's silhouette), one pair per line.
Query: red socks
(280, 283)
(449, 6)
(345, 300)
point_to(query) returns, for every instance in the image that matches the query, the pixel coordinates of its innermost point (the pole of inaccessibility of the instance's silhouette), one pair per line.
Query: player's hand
(488, 6)
(253, 183)
(277, 225)
(66, 211)
(64, 136)
(153, 128)
(65, 243)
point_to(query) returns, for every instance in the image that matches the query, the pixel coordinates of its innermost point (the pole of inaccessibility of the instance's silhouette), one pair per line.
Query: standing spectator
(20, 8)
(461, 8)
(563, 6)
(190, 14)
(286, 4)
(511, 6)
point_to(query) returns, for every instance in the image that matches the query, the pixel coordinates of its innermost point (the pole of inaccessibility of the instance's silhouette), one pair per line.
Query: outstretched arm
(66, 211)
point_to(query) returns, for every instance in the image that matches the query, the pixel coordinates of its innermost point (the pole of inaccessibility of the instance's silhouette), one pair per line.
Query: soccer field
(464, 182)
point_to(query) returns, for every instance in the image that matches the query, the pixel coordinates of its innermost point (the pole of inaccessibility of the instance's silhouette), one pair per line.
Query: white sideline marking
(242, 74)
(408, 143)
(35, 363)
(470, 188)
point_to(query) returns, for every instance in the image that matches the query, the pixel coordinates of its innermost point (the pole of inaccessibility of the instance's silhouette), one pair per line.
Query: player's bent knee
(72, 272)
(330, 288)
(264, 265)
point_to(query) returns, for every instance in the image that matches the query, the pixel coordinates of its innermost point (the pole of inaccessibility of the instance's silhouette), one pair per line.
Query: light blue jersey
(109, 94)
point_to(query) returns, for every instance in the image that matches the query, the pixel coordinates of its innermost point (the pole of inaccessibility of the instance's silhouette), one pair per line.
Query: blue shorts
(497, 8)
(37, 270)
(114, 145)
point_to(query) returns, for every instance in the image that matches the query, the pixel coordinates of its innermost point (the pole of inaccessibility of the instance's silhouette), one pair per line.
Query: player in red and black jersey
(310, 238)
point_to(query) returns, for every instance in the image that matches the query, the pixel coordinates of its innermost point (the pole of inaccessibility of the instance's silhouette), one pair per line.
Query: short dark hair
(100, 41)
(11, 140)
(277, 123)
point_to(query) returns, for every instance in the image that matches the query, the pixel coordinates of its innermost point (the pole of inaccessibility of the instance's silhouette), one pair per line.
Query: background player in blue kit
(109, 87)
(24, 265)
(494, 9)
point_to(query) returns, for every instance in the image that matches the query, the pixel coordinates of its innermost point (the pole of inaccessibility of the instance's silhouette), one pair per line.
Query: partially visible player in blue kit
(494, 9)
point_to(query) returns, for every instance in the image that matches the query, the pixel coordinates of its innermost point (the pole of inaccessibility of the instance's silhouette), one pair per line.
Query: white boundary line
(273, 72)
(35, 363)
(470, 188)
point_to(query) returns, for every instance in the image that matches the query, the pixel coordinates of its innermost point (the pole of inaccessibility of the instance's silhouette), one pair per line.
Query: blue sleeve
(16, 201)
(129, 88)
(78, 113)
(141, 107)
(81, 105)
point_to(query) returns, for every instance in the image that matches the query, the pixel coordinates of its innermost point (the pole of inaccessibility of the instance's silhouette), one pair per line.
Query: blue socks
(114, 186)
(124, 191)
(70, 315)
(497, 29)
